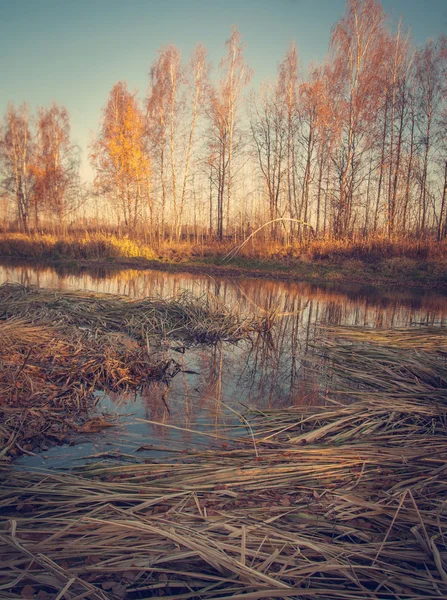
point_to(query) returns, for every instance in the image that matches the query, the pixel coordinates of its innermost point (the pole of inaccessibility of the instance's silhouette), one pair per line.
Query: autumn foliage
(121, 157)
(354, 146)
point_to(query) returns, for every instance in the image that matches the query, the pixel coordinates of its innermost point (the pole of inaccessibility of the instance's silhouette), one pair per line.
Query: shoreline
(378, 263)
(359, 273)
(61, 347)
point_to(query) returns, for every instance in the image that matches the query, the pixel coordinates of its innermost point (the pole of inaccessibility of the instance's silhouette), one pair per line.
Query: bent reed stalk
(341, 502)
(232, 253)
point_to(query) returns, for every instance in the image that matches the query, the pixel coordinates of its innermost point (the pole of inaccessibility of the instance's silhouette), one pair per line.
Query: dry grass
(399, 364)
(199, 319)
(377, 248)
(375, 260)
(345, 501)
(103, 245)
(48, 378)
(85, 246)
(58, 348)
(346, 523)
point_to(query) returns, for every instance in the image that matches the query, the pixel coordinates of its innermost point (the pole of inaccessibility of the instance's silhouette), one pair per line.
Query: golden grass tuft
(86, 246)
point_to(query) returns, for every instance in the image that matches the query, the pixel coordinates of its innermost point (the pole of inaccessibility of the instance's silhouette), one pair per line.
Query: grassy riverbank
(378, 262)
(342, 501)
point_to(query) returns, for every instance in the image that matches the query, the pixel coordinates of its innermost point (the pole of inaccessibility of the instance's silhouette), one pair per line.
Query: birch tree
(16, 156)
(121, 159)
(164, 105)
(268, 123)
(56, 162)
(357, 46)
(223, 113)
(429, 82)
(288, 85)
(198, 84)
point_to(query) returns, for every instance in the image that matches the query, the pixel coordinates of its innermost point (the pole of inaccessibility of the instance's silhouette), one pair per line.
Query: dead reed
(58, 348)
(344, 501)
(399, 364)
(202, 319)
(104, 245)
(48, 378)
(299, 524)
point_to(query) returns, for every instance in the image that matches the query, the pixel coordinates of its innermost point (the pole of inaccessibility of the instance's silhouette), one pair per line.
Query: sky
(73, 51)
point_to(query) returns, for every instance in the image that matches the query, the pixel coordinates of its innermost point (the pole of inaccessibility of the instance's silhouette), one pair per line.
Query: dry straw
(58, 348)
(342, 502)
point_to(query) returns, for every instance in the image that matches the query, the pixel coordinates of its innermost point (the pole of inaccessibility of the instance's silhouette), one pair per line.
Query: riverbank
(342, 501)
(379, 263)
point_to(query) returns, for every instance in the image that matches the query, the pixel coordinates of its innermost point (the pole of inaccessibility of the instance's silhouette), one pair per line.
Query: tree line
(356, 145)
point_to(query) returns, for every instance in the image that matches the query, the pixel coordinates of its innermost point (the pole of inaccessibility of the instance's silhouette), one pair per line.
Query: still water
(224, 381)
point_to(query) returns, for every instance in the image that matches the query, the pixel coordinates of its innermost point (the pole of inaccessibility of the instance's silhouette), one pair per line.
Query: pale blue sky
(74, 51)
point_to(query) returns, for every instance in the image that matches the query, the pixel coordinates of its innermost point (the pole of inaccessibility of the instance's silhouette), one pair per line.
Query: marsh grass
(49, 377)
(58, 348)
(106, 245)
(83, 246)
(196, 319)
(398, 364)
(344, 501)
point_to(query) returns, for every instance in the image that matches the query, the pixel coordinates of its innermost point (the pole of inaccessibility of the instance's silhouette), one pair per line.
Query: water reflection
(334, 303)
(213, 382)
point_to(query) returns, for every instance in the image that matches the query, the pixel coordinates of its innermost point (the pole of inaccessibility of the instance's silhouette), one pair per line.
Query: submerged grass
(344, 501)
(58, 348)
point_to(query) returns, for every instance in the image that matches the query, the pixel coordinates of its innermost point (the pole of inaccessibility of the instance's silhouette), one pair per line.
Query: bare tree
(268, 123)
(442, 221)
(357, 45)
(288, 85)
(314, 120)
(223, 110)
(428, 71)
(198, 82)
(401, 65)
(164, 114)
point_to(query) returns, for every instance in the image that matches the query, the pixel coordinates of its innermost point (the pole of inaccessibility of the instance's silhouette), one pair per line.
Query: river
(223, 381)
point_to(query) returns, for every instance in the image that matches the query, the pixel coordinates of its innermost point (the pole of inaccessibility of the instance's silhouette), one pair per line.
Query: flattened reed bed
(354, 510)
(48, 380)
(58, 348)
(399, 364)
(344, 523)
(202, 319)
